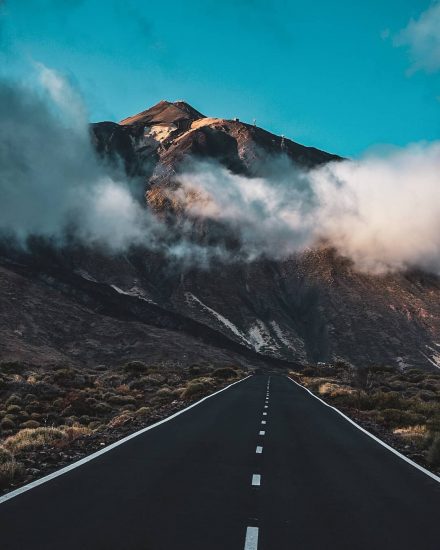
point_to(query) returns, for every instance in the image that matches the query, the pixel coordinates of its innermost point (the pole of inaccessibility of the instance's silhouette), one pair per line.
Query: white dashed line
(265, 414)
(266, 407)
(263, 422)
(262, 432)
(251, 542)
(259, 449)
(256, 480)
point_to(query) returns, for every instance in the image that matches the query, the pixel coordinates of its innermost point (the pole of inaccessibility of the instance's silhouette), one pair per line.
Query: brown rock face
(312, 307)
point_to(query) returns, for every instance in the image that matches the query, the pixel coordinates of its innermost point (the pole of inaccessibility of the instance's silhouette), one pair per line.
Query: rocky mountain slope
(80, 305)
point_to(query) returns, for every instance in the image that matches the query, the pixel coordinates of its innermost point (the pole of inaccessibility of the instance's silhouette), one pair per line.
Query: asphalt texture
(188, 485)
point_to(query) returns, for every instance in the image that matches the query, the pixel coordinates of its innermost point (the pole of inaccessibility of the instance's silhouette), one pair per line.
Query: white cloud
(422, 38)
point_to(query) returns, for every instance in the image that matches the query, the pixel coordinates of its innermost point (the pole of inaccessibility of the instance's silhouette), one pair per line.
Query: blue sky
(343, 76)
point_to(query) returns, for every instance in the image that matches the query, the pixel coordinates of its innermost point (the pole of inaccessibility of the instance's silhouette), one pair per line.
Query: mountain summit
(164, 112)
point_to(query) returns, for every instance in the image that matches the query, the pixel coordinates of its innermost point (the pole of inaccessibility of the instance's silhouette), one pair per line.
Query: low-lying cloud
(383, 212)
(51, 180)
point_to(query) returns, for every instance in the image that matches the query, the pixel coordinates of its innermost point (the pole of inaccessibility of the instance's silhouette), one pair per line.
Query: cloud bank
(382, 212)
(51, 180)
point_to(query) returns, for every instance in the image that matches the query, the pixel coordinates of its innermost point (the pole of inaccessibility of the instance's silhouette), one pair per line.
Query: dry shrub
(30, 424)
(334, 390)
(34, 438)
(411, 433)
(120, 420)
(9, 467)
(193, 389)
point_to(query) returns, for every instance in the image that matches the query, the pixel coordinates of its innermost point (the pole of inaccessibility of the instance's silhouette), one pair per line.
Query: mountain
(81, 306)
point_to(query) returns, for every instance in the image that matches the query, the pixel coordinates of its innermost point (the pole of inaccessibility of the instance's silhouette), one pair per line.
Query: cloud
(382, 212)
(422, 39)
(51, 180)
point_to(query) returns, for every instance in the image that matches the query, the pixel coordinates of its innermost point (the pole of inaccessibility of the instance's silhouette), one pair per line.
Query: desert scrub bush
(9, 467)
(120, 420)
(334, 390)
(121, 399)
(155, 379)
(13, 400)
(143, 411)
(13, 409)
(164, 393)
(224, 373)
(192, 389)
(395, 418)
(30, 424)
(135, 368)
(415, 434)
(33, 438)
(433, 455)
(7, 424)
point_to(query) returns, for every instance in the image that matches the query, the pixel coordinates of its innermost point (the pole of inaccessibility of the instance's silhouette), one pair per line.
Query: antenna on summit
(282, 141)
(254, 121)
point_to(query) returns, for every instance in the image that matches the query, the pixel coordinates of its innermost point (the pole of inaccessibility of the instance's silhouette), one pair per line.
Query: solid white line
(86, 459)
(262, 432)
(403, 457)
(259, 450)
(256, 480)
(251, 542)
(263, 422)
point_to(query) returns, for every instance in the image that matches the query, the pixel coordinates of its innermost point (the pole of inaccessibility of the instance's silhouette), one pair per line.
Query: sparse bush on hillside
(224, 373)
(9, 467)
(136, 368)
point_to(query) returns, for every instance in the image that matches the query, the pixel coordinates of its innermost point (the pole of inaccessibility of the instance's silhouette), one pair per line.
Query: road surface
(224, 476)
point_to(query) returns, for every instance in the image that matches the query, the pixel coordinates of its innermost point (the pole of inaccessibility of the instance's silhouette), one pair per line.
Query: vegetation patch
(50, 417)
(400, 406)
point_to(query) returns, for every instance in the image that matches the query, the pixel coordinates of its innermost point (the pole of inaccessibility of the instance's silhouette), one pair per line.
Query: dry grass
(35, 438)
(9, 467)
(334, 390)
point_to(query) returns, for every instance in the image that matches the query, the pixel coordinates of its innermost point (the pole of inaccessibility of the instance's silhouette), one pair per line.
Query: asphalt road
(198, 482)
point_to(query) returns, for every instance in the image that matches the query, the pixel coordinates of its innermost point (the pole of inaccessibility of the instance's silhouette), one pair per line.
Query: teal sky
(327, 74)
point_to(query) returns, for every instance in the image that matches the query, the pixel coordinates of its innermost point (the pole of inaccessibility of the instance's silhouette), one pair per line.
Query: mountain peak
(165, 112)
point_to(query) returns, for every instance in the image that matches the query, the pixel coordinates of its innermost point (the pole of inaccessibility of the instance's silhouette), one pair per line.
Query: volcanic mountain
(83, 306)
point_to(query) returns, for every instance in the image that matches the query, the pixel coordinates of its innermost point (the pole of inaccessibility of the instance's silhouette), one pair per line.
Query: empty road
(262, 465)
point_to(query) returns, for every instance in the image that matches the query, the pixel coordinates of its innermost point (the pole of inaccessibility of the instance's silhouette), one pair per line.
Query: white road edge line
(251, 542)
(256, 480)
(259, 450)
(88, 458)
(394, 451)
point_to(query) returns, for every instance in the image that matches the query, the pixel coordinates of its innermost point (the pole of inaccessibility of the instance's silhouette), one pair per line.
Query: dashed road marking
(266, 407)
(259, 449)
(262, 432)
(251, 542)
(256, 480)
(263, 422)
(265, 414)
